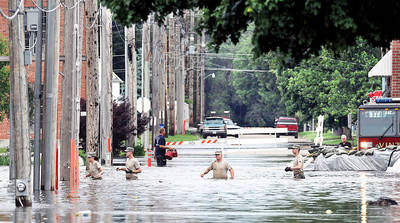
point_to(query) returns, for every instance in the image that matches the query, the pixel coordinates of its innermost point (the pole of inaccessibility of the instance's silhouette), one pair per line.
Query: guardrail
(262, 130)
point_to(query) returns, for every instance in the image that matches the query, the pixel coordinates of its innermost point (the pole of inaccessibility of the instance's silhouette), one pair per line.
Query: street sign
(145, 105)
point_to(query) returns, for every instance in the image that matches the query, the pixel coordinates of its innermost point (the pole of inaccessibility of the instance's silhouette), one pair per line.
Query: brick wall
(4, 126)
(395, 68)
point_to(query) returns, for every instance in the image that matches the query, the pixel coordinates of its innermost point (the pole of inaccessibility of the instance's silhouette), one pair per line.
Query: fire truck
(378, 123)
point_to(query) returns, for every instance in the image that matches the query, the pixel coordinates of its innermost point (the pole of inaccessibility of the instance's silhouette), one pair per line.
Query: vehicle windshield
(376, 122)
(229, 122)
(287, 121)
(214, 121)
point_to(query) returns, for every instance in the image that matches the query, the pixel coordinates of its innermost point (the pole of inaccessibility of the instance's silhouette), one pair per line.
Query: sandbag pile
(329, 158)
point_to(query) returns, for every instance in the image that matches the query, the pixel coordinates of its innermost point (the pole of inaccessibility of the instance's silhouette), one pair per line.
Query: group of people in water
(219, 166)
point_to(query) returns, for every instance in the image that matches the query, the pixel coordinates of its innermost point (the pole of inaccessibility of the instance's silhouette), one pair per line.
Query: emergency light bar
(387, 100)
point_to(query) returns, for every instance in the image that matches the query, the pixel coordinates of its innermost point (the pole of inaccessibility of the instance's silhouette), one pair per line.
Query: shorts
(299, 176)
(161, 160)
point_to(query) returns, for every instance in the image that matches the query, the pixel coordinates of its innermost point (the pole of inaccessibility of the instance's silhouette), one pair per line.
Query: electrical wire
(46, 10)
(16, 12)
(70, 7)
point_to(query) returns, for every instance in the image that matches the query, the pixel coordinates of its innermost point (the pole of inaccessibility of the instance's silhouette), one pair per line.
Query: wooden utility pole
(198, 81)
(72, 72)
(106, 106)
(180, 80)
(164, 76)
(19, 107)
(37, 100)
(52, 71)
(146, 54)
(171, 77)
(192, 60)
(132, 81)
(155, 103)
(202, 76)
(92, 77)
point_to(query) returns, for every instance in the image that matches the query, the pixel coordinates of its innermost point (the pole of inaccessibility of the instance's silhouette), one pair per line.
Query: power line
(15, 13)
(238, 70)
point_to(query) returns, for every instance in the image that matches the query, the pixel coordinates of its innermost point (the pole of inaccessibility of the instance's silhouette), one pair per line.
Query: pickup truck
(213, 126)
(290, 124)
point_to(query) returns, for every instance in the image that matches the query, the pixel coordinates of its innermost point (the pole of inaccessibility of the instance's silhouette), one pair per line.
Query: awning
(383, 68)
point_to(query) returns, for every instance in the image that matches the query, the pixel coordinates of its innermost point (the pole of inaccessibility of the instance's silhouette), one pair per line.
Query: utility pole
(19, 103)
(191, 71)
(145, 75)
(106, 106)
(70, 86)
(155, 103)
(171, 78)
(164, 76)
(52, 71)
(202, 76)
(37, 99)
(180, 82)
(131, 80)
(92, 77)
(198, 80)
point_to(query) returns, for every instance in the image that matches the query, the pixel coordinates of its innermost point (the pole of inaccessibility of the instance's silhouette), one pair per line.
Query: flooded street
(261, 192)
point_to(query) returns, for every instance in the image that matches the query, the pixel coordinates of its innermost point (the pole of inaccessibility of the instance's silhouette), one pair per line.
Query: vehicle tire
(236, 136)
(277, 136)
(296, 136)
(204, 136)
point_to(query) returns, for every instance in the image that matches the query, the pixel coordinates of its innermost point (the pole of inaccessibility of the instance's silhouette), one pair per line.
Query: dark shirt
(160, 140)
(345, 144)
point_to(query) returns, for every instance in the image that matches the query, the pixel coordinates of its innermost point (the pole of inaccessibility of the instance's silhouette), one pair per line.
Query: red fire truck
(378, 123)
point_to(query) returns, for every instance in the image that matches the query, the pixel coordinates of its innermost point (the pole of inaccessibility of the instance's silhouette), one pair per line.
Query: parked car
(213, 126)
(232, 128)
(290, 124)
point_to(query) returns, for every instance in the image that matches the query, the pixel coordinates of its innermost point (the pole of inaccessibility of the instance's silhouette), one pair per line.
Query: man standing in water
(132, 166)
(161, 148)
(219, 167)
(344, 143)
(298, 163)
(93, 167)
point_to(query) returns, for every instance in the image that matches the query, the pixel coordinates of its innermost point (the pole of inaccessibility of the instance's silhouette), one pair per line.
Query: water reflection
(363, 193)
(261, 192)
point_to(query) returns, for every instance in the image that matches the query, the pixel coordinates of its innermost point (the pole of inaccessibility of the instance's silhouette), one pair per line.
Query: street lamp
(212, 75)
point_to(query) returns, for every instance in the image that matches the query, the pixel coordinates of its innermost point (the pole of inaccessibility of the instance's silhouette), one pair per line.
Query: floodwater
(261, 192)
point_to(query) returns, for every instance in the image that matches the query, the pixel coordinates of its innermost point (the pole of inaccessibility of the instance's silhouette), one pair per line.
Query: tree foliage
(297, 28)
(329, 85)
(252, 97)
(4, 82)
(121, 128)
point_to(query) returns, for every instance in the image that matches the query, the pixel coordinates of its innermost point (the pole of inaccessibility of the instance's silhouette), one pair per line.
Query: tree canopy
(297, 28)
(329, 85)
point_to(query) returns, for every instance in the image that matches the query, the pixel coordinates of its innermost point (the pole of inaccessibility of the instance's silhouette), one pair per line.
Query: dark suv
(213, 126)
(289, 123)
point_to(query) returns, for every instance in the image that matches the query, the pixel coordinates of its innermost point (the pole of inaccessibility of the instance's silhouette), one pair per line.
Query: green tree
(329, 85)
(4, 81)
(298, 28)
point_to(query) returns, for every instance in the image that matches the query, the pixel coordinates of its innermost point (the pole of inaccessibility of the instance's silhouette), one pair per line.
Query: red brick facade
(4, 126)
(396, 68)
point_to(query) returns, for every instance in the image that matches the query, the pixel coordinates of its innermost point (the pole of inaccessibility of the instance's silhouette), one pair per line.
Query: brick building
(4, 30)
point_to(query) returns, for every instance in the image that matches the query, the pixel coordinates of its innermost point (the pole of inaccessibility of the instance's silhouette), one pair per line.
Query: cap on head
(294, 147)
(91, 154)
(130, 149)
(218, 152)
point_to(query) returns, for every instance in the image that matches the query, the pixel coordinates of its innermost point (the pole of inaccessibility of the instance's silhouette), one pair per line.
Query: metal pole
(38, 83)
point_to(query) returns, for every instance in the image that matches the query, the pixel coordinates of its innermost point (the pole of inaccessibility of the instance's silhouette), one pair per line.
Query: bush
(4, 161)
(139, 151)
(121, 127)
